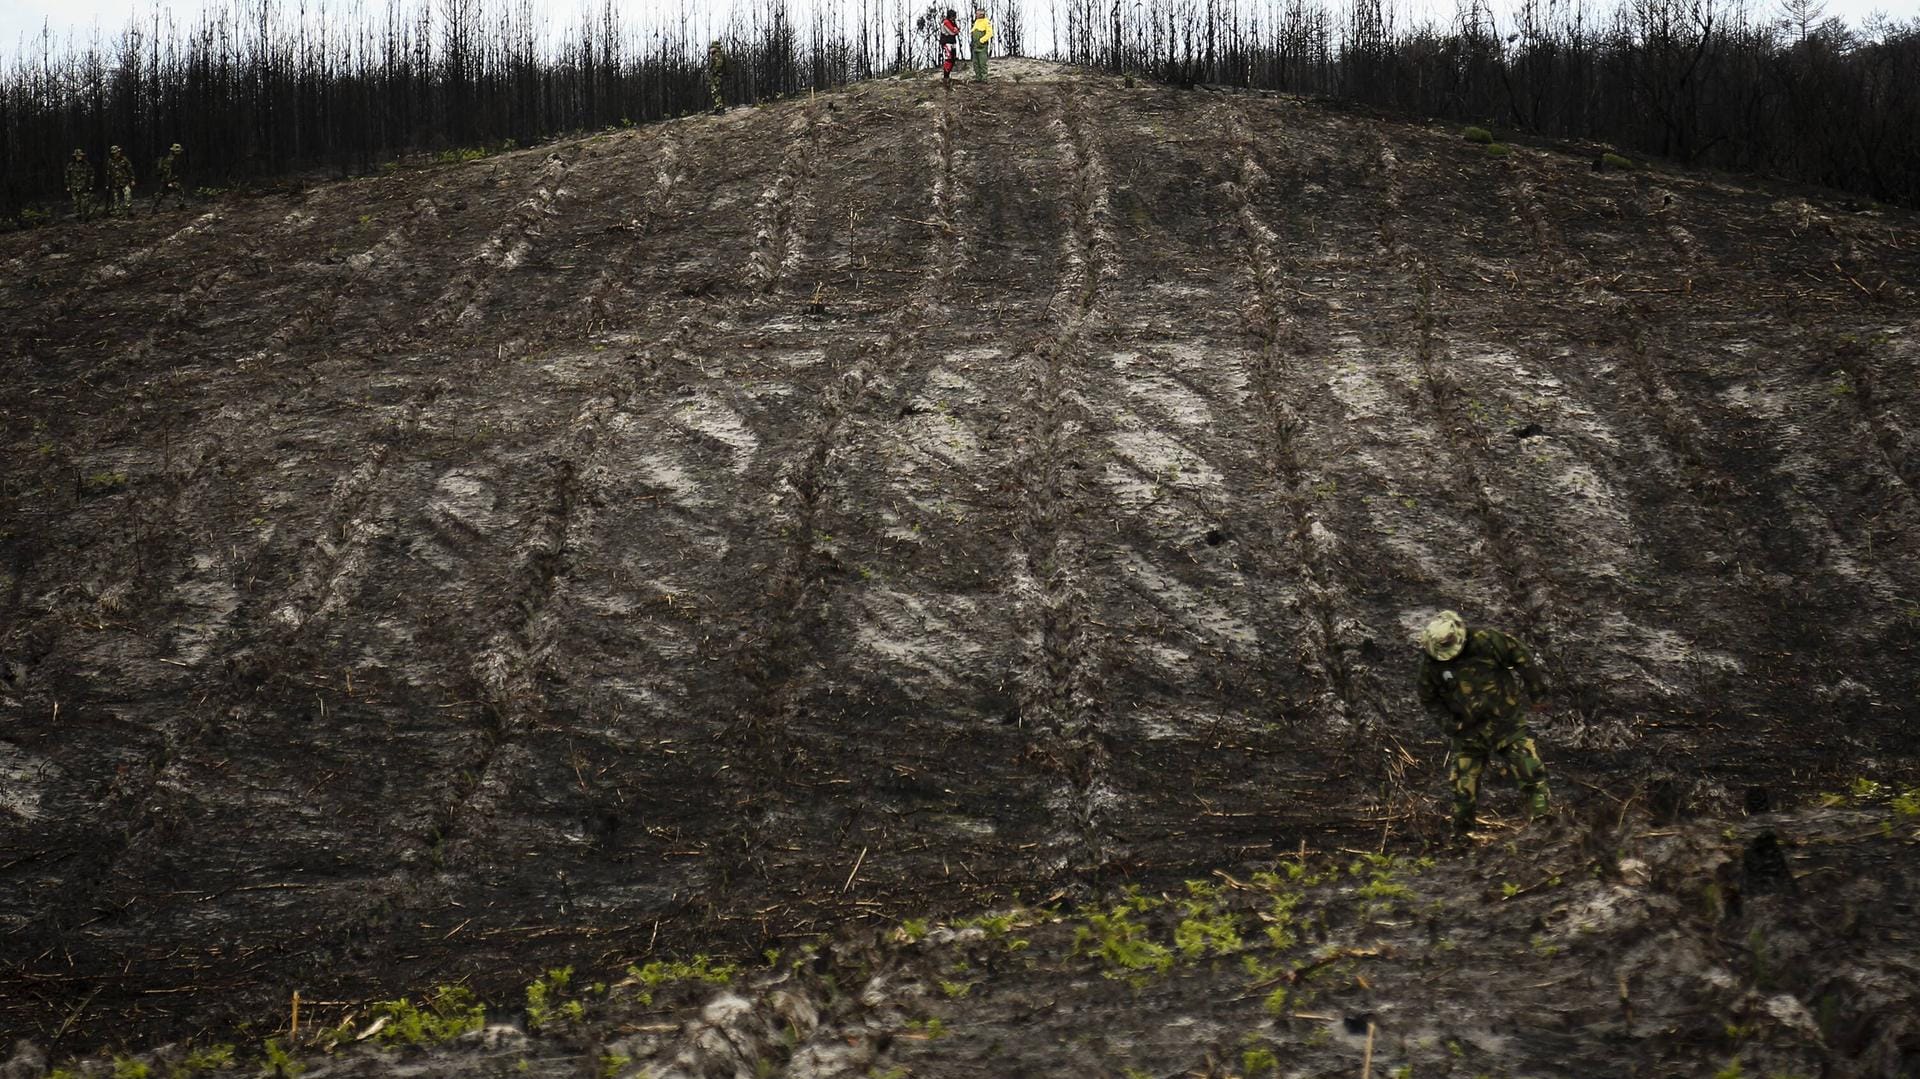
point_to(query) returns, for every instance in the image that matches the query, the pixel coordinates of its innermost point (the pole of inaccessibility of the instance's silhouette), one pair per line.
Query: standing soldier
(170, 176)
(119, 181)
(716, 68)
(982, 34)
(80, 185)
(1470, 682)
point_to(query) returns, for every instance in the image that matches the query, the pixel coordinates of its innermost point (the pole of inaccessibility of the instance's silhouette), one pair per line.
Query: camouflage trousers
(714, 91)
(82, 204)
(1516, 752)
(123, 199)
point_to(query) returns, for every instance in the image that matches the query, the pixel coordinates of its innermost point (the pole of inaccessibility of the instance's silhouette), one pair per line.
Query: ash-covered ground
(879, 505)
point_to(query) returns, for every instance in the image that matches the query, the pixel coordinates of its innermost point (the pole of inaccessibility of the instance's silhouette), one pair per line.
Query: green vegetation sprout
(656, 974)
(450, 1011)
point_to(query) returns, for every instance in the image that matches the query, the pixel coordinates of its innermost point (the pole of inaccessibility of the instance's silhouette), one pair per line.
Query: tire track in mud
(1517, 567)
(367, 268)
(1298, 535)
(784, 206)
(463, 300)
(772, 660)
(669, 179)
(129, 806)
(507, 669)
(1689, 440)
(1060, 690)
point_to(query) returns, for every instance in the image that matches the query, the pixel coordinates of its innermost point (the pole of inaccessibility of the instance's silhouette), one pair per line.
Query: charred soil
(701, 537)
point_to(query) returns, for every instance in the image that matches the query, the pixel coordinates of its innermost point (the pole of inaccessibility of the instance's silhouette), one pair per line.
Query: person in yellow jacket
(982, 35)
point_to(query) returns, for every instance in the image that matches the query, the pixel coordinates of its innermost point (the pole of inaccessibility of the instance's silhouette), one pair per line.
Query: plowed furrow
(366, 270)
(784, 206)
(507, 669)
(1728, 507)
(661, 200)
(774, 659)
(464, 300)
(1306, 542)
(1060, 687)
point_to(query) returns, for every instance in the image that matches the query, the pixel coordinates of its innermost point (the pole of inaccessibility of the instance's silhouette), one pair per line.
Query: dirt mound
(696, 537)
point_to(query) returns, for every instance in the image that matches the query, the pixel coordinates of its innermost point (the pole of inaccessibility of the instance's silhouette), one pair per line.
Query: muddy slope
(705, 535)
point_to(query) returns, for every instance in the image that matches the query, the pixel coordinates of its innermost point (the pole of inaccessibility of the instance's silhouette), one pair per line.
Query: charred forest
(261, 90)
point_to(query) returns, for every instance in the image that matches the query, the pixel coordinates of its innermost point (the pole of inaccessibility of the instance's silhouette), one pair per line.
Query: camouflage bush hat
(1445, 636)
(177, 148)
(79, 153)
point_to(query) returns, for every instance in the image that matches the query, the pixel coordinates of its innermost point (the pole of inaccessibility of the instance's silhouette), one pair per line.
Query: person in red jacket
(949, 45)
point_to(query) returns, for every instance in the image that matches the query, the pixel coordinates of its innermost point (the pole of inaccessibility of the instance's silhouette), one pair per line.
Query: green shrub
(452, 1010)
(103, 483)
(1497, 149)
(1615, 161)
(656, 974)
(546, 999)
(205, 1059)
(1206, 926)
(1908, 803)
(1122, 944)
(1477, 134)
(279, 1061)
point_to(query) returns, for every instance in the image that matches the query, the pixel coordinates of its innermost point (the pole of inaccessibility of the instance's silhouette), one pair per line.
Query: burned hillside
(698, 537)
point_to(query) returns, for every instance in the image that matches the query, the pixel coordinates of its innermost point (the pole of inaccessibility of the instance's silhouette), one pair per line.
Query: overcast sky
(24, 18)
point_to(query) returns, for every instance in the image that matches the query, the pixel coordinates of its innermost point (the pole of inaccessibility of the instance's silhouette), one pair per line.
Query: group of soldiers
(169, 180)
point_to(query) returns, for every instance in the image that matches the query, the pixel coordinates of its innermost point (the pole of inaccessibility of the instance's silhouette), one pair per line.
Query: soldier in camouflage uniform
(119, 181)
(80, 185)
(716, 69)
(170, 176)
(1471, 682)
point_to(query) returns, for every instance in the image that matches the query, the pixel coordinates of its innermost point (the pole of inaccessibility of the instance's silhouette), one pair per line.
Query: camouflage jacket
(168, 168)
(79, 176)
(119, 172)
(1481, 685)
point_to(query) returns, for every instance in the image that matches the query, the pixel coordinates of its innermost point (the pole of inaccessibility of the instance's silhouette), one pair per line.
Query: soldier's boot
(1464, 823)
(1524, 758)
(1465, 780)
